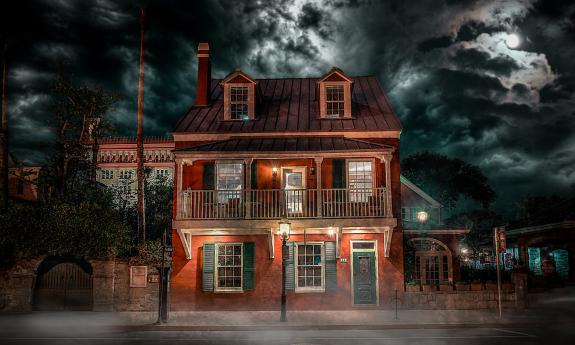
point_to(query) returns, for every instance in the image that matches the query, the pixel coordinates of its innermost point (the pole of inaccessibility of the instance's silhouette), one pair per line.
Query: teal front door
(364, 278)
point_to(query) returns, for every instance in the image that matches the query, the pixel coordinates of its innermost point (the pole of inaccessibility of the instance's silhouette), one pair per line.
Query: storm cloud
(451, 78)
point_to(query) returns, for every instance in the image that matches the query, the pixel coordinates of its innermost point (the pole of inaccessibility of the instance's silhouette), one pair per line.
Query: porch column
(248, 188)
(387, 161)
(318, 162)
(179, 172)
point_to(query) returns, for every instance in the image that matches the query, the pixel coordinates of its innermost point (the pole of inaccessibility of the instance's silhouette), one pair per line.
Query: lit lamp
(422, 216)
(285, 228)
(275, 172)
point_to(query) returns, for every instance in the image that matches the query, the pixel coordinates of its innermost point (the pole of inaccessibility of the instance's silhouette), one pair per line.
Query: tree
(140, 139)
(80, 114)
(447, 179)
(4, 135)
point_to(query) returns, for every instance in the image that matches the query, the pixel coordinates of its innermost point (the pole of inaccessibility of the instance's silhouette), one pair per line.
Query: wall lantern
(285, 229)
(274, 172)
(422, 216)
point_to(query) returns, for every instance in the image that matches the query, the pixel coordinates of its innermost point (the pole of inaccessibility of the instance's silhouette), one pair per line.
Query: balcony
(278, 203)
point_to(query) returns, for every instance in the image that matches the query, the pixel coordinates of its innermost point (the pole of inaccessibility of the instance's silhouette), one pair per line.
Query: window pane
(229, 265)
(360, 180)
(229, 181)
(334, 101)
(309, 265)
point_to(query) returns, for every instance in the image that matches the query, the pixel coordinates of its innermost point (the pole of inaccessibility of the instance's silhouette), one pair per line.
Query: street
(444, 335)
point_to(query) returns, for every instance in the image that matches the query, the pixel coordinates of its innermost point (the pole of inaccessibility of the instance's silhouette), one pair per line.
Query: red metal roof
(286, 144)
(132, 140)
(290, 105)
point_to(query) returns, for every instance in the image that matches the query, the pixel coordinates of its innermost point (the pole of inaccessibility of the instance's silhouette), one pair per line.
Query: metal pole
(283, 302)
(161, 280)
(396, 304)
(496, 239)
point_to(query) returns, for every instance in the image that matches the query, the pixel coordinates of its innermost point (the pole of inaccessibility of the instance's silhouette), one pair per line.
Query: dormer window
(334, 90)
(239, 102)
(239, 96)
(335, 103)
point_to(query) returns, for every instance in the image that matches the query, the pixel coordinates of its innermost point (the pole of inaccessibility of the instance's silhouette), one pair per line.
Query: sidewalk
(346, 319)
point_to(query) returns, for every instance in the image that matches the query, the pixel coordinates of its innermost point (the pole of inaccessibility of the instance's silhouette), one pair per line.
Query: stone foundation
(484, 299)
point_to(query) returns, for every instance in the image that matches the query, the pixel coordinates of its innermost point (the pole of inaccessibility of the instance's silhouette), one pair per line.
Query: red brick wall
(186, 293)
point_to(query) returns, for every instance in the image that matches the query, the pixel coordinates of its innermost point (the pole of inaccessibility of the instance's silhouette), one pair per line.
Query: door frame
(303, 170)
(374, 250)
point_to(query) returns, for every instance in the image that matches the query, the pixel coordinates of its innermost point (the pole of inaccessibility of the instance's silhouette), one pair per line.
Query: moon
(512, 41)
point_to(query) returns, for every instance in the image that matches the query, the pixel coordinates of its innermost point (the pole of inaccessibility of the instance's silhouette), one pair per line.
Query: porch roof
(287, 144)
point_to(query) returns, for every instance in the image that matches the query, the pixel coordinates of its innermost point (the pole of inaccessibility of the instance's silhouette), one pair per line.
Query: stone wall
(111, 287)
(484, 299)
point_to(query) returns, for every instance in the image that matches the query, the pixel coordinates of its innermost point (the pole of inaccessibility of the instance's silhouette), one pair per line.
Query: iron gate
(65, 286)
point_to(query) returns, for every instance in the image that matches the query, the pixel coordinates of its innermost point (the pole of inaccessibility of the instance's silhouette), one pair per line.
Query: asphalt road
(558, 334)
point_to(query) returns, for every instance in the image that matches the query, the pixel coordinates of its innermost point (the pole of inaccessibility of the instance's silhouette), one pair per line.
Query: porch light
(275, 172)
(285, 228)
(330, 231)
(464, 250)
(422, 216)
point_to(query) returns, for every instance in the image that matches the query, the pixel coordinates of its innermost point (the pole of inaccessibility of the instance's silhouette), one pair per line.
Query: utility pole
(4, 133)
(499, 240)
(140, 139)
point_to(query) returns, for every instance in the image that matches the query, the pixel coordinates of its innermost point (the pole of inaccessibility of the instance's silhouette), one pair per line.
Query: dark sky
(453, 81)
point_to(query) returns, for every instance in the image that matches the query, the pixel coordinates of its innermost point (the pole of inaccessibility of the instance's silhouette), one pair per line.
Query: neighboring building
(545, 242)
(432, 250)
(22, 181)
(320, 152)
(117, 162)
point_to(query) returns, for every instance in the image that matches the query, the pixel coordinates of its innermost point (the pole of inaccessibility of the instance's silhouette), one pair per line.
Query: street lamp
(422, 216)
(285, 228)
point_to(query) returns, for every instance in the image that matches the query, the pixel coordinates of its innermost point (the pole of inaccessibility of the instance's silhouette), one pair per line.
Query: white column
(248, 188)
(179, 172)
(387, 161)
(318, 162)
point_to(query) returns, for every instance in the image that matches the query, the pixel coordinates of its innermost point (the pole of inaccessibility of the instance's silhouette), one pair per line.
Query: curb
(275, 327)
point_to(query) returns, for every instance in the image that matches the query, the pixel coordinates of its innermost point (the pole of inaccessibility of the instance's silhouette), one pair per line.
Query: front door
(294, 185)
(364, 278)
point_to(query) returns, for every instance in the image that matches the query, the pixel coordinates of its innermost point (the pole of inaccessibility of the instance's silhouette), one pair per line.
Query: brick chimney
(204, 75)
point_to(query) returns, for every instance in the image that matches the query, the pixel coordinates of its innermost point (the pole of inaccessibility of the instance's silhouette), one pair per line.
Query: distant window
(334, 98)
(20, 186)
(238, 102)
(360, 175)
(107, 174)
(126, 174)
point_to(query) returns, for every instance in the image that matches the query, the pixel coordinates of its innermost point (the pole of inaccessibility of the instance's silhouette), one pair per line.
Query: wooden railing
(277, 203)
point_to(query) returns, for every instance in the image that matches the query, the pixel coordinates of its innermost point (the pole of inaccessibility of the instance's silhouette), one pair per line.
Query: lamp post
(285, 228)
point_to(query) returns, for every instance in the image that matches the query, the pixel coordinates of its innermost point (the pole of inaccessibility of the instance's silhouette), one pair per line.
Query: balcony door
(293, 184)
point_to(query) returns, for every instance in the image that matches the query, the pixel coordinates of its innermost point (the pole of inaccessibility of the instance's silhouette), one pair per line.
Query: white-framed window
(126, 174)
(229, 181)
(310, 269)
(107, 174)
(334, 101)
(229, 263)
(239, 102)
(162, 172)
(360, 180)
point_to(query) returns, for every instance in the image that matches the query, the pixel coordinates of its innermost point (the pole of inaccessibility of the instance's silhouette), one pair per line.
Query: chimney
(204, 75)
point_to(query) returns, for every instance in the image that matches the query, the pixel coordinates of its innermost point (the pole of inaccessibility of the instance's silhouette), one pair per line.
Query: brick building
(321, 153)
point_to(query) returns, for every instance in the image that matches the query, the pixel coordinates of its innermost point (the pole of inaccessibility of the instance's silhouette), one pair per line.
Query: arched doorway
(63, 283)
(433, 261)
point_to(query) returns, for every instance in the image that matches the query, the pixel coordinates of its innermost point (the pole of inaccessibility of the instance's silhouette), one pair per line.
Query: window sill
(307, 290)
(336, 118)
(228, 291)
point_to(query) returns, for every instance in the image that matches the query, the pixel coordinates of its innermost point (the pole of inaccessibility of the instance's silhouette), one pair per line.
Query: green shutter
(254, 181)
(209, 176)
(248, 266)
(290, 268)
(208, 264)
(338, 173)
(330, 265)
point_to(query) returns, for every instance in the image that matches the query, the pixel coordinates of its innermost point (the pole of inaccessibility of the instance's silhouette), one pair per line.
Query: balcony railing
(277, 203)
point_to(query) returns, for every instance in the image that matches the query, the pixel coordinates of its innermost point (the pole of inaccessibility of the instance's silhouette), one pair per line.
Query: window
(335, 104)
(107, 174)
(229, 181)
(309, 272)
(238, 102)
(229, 266)
(432, 261)
(360, 178)
(126, 174)
(162, 173)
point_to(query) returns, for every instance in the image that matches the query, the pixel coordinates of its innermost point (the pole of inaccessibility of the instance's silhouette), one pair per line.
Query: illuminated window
(229, 266)
(360, 177)
(238, 102)
(334, 98)
(229, 181)
(310, 267)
